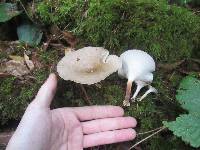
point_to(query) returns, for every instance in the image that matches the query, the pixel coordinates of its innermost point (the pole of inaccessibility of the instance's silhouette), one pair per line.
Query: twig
(5, 137)
(149, 131)
(56, 45)
(184, 72)
(33, 7)
(170, 67)
(87, 99)
(195, 60)
(25, 10)
(146, 138)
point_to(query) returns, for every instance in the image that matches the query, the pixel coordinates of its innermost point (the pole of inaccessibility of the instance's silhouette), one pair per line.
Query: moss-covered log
(168, 32)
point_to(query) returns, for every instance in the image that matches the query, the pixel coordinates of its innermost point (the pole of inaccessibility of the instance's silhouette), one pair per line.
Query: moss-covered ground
(168, 32)
(16, 95)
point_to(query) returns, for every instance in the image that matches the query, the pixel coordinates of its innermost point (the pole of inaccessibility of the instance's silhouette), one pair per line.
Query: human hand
(69, 128)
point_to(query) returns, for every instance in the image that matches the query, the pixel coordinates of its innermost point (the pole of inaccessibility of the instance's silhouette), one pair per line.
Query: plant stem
(150, 131)
(25, 10)
(87, 99)
(146, 138)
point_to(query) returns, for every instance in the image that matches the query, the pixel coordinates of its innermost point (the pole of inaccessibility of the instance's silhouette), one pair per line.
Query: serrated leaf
(29, 34)
(8, 11)
(186, 127)
(189, 95)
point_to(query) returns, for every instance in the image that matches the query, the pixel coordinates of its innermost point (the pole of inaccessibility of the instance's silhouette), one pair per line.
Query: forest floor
(32, 65)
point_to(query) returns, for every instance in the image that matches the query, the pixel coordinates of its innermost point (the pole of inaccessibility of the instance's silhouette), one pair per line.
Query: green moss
(48, 57)
(59, 11)
(7, 101)
(2, 55)
(113, 94)
(16, 95)
(41, 75)
(168, 32)
(7, 85)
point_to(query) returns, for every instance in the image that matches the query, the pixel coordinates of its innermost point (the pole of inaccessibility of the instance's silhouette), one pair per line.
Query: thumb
(47, 91)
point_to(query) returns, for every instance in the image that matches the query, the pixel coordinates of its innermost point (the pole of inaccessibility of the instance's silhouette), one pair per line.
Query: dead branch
(5, 137)
(170, 67)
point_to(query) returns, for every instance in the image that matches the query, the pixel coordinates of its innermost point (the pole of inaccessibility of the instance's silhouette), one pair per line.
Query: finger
(108, 137)
(46, 92)
(97, 112)
(108, 124)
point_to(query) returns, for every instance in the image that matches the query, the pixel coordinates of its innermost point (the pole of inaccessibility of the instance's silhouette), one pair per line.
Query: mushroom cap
(88, 65)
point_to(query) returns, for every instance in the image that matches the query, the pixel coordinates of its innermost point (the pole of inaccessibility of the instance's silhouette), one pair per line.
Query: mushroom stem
(140, 85)
(126, 101)
(151, 90)
(87, 99)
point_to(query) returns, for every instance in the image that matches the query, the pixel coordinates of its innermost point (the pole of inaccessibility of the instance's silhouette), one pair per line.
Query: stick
(146, 138)
(5, 137)
(26, 11)
(149, 131)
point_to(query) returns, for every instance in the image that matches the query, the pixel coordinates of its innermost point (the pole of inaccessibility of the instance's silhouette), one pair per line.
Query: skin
(69, 128)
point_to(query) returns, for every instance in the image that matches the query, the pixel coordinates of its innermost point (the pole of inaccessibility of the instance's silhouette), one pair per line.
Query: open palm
(69, 128)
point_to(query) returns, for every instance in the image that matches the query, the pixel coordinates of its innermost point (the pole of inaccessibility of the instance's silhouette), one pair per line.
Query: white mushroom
(137, 66)
(88, 65)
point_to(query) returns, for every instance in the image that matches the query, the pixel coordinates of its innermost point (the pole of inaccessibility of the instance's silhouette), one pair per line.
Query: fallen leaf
(8, 47)
(70, 38)
(8, 11)
(2, 74)
(66, 35)
(28, 62)
(16, 58)
(36, 61)
(16, 68)
(30, 34)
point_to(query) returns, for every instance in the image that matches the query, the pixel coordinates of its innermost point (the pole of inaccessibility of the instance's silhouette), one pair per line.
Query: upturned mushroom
(88, 65)
(137, 66)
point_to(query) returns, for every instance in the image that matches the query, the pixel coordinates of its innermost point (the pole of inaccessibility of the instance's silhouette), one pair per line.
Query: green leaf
(29, 34)
(8, 11)
(189, 95)
(186, 127)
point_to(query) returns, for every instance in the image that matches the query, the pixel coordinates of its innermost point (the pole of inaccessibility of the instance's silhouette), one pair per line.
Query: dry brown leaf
(2, 74)
(28, 62)
(16, 68)
(36, 61)
(16, 58)
(66, 35)
(8, 47)
(70, 38)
